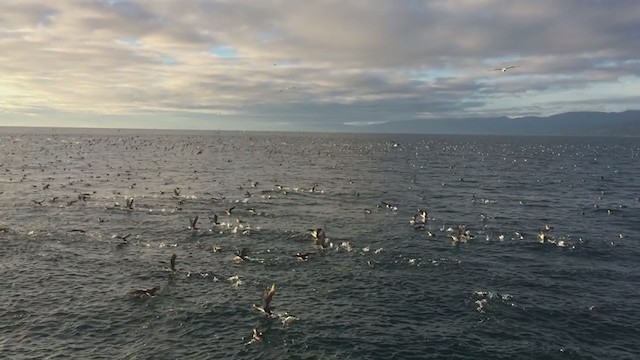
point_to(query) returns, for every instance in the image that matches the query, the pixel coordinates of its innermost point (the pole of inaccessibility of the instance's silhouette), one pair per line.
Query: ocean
(544, 264)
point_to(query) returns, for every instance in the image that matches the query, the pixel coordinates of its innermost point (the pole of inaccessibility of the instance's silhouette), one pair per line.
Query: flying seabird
(320, 238)
(266, 301)
(423, 215)
(542, 235)
(316, 233)
(256, 336)
(173, 262)
(504, 69)
(229, 210)
(123, 238)
(193, 223)
(130, 203)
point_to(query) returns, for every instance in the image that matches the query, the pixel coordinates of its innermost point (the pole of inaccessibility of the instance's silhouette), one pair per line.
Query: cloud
(309, 64)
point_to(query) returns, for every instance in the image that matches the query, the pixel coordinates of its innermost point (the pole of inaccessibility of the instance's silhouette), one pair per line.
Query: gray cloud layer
(309, 64)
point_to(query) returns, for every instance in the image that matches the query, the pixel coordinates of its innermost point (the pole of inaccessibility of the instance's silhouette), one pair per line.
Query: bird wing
(268, 297)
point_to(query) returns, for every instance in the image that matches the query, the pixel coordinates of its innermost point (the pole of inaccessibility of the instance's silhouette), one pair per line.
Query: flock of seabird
(420, 221)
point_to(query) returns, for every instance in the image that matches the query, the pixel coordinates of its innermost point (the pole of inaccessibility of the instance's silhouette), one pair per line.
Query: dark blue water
(66, 274)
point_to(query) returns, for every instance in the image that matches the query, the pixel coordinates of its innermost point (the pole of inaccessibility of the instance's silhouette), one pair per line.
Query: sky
(312, 65)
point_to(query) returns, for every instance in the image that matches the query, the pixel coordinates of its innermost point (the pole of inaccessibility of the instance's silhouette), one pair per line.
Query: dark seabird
(173, 262)
(228, 211)
(266, 301)
(193, 222)
(418, 226)
(241, 255)
(130, 203)
(124, 241)
(144, 293)
(176, 191)
(38, 202)
(123, 238)
(215, 219)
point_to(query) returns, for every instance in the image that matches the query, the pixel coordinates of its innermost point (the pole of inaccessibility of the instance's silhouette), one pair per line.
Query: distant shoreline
(581, 124)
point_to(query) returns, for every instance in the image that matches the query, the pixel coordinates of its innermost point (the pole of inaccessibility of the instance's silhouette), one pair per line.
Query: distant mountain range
(625, 123)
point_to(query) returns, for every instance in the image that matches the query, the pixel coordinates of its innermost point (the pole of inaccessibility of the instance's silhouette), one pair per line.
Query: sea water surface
(385, 289)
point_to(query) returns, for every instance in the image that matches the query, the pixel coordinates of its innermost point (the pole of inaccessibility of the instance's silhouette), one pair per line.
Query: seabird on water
(241, 255)
(235, 281)
(302, 256)
(144, 293)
